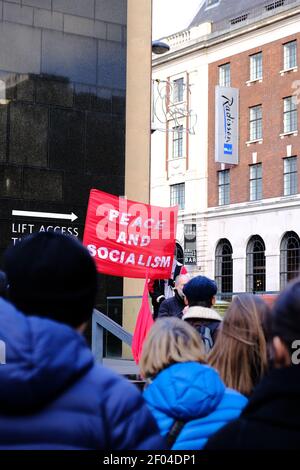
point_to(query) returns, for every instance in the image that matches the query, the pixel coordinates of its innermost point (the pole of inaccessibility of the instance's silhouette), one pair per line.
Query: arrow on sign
(45, 215)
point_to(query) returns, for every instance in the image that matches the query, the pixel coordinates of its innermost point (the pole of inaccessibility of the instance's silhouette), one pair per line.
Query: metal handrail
(101, 322)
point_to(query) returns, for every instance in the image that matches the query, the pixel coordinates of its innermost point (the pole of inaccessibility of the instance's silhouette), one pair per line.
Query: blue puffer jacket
(193, 393)
(52, 396)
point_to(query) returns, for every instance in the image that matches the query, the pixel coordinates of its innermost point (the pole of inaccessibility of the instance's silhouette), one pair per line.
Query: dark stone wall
(62, 112)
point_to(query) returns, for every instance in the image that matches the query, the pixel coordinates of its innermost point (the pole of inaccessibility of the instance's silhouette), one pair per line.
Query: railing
(101, 322)
(227, 296)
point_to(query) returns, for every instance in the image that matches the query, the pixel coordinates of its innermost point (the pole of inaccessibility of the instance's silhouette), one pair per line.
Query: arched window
(256, 265)
(179, 255)
(224, 266)
(289, 258)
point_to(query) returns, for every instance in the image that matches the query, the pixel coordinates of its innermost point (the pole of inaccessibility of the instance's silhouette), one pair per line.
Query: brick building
(246, 216)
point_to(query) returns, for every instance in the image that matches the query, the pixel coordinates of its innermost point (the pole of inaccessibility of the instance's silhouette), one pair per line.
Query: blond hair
(170, 341)
(240, 350)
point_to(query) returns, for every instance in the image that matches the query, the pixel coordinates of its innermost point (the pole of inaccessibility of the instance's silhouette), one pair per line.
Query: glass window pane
(255, 268)
(224, 187)
(224, 267)
(290, 117)
(224, 75)
(178, 90)
(177, 142)
(290, 176)
(255, 182)
(289, 258)
(178, 195)
(255, 131)
(290, 55)
(256, 66)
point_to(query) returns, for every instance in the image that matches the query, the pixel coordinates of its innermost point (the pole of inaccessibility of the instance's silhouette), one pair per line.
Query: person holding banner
(174, 306)
(163, 289)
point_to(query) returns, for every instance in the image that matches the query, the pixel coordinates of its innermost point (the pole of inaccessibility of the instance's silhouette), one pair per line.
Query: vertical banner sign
(227, 125)
(190, 244)
(130, 239)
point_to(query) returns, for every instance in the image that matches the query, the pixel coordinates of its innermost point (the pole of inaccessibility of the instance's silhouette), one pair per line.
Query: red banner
(143, 324)
(130, 239)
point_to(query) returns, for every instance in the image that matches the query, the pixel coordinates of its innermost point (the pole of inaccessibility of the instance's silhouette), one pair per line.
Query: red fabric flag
(143, 325)
(183, 270)
(128, 238)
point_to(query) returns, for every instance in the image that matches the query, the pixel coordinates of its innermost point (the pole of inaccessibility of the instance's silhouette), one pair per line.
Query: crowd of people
(211, 382)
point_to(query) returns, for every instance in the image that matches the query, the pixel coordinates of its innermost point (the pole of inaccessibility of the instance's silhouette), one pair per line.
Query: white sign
(227, 125)
(45, 215)
(21, 229)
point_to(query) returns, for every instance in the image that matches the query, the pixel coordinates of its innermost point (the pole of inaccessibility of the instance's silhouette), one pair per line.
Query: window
(256, 123)
(224, 267)
(290, 176)
(224, 187)
(256, 265)
(178, 195)
(177, 141)
(255, 182)
(256, 66)
(178, 87)
(224, 75)
(289, 258)
(290, 55)
(290, 114)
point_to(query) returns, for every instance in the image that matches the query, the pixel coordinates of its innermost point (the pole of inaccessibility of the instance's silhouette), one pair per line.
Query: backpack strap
(206, 338)
(174, 433)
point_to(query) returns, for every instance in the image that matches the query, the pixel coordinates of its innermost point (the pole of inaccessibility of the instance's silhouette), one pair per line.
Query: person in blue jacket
(52, 395)
(187, 397)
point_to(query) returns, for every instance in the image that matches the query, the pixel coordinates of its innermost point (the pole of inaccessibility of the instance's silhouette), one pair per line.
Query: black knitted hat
(52, 275)
(199, 289)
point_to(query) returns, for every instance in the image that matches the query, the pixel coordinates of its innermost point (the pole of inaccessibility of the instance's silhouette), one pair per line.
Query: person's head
(170, 341)
(52, 275)
(200, 291)
(286, 324)
(180, 282)
(240, 350)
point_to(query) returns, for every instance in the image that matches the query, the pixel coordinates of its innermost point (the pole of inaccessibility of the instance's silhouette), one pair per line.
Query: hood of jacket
(42, 358)
(202, 313)
(276, 399)
(185, 391)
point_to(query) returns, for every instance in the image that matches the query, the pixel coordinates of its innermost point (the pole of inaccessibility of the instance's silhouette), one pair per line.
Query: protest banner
(130, 239)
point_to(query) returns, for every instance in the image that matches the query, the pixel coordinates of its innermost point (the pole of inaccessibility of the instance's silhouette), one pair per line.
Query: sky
(170, 16)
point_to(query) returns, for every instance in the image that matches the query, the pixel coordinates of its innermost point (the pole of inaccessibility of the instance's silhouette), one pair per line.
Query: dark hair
(286, 315)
